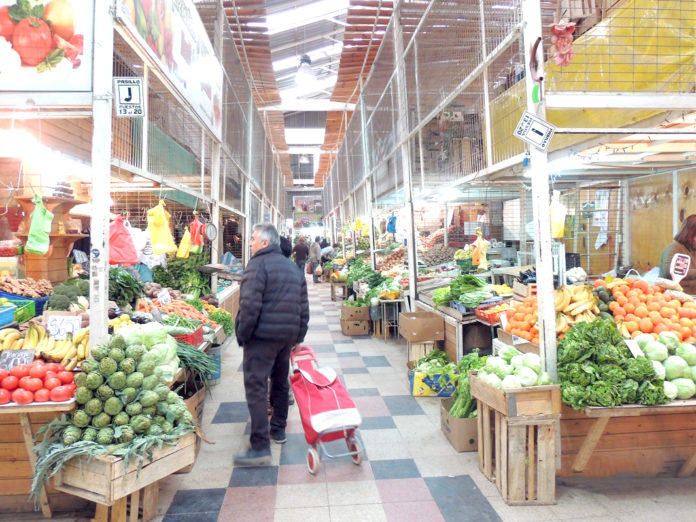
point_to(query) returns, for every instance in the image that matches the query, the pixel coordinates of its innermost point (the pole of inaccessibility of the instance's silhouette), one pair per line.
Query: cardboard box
(476, 335)
(419, 350)
(461, 433)
(423, 385)
(522, 290)
(355, 313)
(355, 327)
(421, 326)
(521, 344)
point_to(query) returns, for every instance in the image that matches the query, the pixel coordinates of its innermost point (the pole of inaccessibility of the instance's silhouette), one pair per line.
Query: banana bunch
(11, 339)
(68, 352)
(501, 289)
(574, 304)
(463, 253)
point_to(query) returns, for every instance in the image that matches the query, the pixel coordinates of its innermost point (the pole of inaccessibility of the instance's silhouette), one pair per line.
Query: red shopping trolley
(326, 409)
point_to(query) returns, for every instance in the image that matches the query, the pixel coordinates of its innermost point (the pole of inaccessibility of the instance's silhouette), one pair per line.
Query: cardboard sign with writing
(60, 325)
(11, 358)
(164, 297)
(679, 267)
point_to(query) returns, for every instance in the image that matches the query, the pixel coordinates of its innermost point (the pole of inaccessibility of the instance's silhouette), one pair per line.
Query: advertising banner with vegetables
(174, 36)
(46, 45)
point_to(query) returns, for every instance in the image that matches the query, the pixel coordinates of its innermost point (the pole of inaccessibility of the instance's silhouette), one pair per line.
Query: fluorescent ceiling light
(305, 77)
(305, 136)
(298, 16)
(317, 54)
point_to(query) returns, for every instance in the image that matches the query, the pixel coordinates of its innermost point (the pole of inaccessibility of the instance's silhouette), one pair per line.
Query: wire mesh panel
(126, 133)
(254, 209)
(232, 180)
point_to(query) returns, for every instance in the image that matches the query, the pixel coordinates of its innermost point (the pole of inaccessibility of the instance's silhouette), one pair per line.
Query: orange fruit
(641, 311)
(621, 299)
(630, 280)
(667, 312)
(645, 325)
(659, 328)
(643, 298)
(654, 306)
(631, 326)
(599, 282)
(631, 317)
(685, 332)
(619, 312)
(613, 305)
(655, 316)
(642, 285)
(629, 307)
(686, 322)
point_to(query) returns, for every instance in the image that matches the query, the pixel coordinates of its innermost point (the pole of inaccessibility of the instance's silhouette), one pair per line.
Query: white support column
(402, 104)
(202, 160)
(625, 224)
(246, 193)
(445, 222)
(102, 79)
(421, 156)
(145, 145)
(675, 203)
(531, 16)
(216, 152)
(342, 219)
(371, 222)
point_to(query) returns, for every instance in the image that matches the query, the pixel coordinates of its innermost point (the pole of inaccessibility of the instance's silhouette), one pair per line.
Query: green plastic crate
(25, 310)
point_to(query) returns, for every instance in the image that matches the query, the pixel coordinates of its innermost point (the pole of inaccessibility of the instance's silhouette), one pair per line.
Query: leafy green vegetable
(441, 296)
(640, 369)
(196, 303)
(123, 288)
(183, 274)
(223, 319)
(650, 393)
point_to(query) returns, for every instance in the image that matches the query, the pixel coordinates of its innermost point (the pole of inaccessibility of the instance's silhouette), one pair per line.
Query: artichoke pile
(122, 397)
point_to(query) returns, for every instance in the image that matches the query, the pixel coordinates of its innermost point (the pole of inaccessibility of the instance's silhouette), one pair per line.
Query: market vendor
(684, 243)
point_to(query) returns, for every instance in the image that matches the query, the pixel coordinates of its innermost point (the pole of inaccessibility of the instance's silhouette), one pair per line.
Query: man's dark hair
(687, 232)
(285, 246)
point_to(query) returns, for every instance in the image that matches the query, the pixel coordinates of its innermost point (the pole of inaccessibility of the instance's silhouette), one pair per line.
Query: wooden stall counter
(631, 439)
(18, 424)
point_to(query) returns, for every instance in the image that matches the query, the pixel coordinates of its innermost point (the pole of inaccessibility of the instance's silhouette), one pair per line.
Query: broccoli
(82, 286)
(59, 302)
(69, 291)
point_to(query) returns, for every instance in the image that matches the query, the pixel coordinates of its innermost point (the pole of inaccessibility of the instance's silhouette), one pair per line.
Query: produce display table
(341, 286)
(18, 454)
(630, 439)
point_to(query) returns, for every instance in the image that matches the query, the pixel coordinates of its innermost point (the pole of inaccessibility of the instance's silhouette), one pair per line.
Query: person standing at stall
(684, 243)
(301, 251)
(272, 320)
(315, 257)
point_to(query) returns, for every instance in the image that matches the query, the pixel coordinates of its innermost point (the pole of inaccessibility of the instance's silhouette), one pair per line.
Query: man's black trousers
(264, 359)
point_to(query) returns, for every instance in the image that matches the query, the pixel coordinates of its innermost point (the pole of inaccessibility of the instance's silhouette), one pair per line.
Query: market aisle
(411, 473)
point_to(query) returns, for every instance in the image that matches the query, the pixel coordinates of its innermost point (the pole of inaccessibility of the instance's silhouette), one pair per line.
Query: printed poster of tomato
(46, 45)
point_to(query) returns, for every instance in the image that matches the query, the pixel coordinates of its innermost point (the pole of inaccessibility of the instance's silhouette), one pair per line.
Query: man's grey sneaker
(253, 458)
(278, 437)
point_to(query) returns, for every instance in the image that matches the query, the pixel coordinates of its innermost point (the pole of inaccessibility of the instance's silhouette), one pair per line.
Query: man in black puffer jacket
(272, 320)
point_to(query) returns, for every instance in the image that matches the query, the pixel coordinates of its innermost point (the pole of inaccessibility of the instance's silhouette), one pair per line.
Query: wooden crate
(105, 480)
(419, 350)
(195, 405)
(535, 400)
(520, 454)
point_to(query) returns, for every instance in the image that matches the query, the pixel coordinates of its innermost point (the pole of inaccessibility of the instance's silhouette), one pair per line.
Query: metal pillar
(216, 152)
(246, 193)
(486, 95)
(371, 222)
(102, 79)
(531, 16)
(402, 100)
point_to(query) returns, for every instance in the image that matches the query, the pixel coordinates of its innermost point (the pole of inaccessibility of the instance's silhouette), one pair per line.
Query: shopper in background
(285, 246)
(272, 319)
(301, 251)
(324, 242)
(684, 243)
(328, 253)
(315, 258)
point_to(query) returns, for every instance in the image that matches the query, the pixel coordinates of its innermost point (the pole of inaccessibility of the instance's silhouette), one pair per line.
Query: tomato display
(37, 370)
(42, 395)
(19, 371)
(5, 396)
(32, 40)
(7, 26)
(66, 377)
(61, 393)
(52, 382)
(10, 382)
(21, 396)
(26, 383)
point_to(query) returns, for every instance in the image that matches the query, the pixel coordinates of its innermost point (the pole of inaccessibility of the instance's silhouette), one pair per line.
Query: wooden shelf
(67, 236)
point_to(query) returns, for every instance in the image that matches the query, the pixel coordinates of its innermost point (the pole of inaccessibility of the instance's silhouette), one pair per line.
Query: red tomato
(72, 386)
(32, 40)
(19, 371)
(54, 367)
(66, 377)
(30, 383)
(10, 382)
(7, 26)
(3, 373)
(50, 375)
(38, 371)
(51, 382)
(61, 393)
(42, 395)
(38, 362)
(21, 396)
(5, 396)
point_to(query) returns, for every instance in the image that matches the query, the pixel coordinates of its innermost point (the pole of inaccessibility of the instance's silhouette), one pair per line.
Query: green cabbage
(659, 370)
(692, 373)
(511, 382)
(507, 352)
(641, 339)
(532, 361)
(629, 391)
(655, 351)
(152, 334)
(671, 390)
(670, 340)
(685, 388)
(675, 367)
(544, 379)
(526, 376)
(132, 335)
(516, 361)
(688, 353)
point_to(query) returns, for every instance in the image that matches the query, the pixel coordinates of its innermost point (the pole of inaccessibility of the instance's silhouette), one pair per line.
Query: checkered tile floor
(410, 471)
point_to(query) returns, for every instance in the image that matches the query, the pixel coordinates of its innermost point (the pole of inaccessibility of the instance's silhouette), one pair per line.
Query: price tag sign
(518, 340)
(59, 326)
(634, 348)
(503, 320)
(11, 358)
(679, 267)
(534, 131)
(163, 297)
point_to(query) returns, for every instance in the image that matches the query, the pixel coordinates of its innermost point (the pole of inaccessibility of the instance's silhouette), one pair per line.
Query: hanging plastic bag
(184, 245)
(121, 248)
(139, 237)
(558, 215)
(160, 233)
(196, 236)
(39, 239)
(319, 270)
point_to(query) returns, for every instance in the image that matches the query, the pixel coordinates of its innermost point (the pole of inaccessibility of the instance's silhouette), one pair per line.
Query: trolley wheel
(313, 461)
(355, 449)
